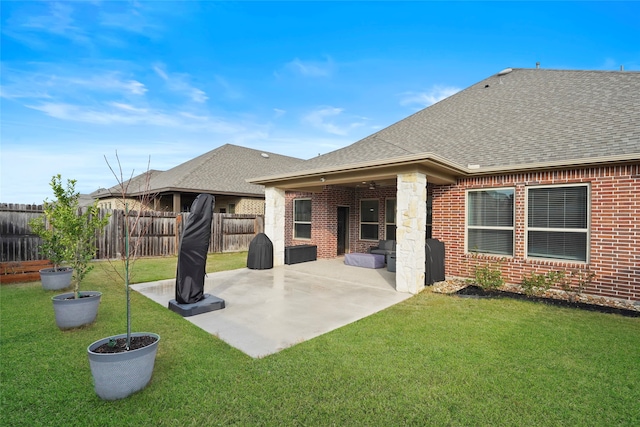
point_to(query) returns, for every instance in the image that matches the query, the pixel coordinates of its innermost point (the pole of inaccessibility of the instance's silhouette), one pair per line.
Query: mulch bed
(121, 344)
(478, 292)
(463, 289)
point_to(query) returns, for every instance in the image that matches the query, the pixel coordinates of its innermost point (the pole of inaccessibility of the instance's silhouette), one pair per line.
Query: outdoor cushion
(385, 247)
(364, 260)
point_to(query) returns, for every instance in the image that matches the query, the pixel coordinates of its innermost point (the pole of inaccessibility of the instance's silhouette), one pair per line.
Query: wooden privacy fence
(229, 233)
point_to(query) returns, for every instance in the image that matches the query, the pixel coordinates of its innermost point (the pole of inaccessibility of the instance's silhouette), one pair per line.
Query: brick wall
(243, 205)
(250, 206)
(614, 253)
(324, 224)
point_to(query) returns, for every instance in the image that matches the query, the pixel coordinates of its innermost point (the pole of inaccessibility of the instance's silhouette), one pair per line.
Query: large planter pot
(54, 280)
(72, 313)
(117, 375)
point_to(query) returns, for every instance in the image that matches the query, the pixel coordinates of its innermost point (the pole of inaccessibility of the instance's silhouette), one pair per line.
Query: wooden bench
(22, 271)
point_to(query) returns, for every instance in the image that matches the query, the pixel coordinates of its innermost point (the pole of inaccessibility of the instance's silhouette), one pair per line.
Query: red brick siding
(615, 227)
(324, 218)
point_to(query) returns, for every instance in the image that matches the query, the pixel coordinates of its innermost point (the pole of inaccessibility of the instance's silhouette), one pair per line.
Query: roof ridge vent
(505, 71)
(265, 155)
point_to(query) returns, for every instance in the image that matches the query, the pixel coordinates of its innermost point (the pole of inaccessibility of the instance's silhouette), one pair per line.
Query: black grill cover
(192, 255)
(434, 261)
(260, 256)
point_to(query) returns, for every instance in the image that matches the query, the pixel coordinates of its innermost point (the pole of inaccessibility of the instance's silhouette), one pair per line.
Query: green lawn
(431, 360)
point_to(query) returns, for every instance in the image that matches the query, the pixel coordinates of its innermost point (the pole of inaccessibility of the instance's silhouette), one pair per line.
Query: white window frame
(300, 222)
(360, 222)
(429, 213)
(395, 216)
(587, 230)
(467, 227)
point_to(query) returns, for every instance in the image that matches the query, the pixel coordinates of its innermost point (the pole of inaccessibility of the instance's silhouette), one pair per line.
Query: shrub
(582, 279)
(534, 284)
(538, 283)
(489, 276)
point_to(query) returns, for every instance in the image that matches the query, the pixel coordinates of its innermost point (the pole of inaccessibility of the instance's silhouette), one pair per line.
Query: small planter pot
(72, 313)
(118, 375)
(54, 280)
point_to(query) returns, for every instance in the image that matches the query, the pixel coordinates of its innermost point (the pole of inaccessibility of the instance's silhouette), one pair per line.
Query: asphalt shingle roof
(522, 117)
(223, 170)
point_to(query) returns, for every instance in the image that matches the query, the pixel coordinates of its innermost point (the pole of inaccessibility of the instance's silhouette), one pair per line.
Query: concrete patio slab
(269, 310)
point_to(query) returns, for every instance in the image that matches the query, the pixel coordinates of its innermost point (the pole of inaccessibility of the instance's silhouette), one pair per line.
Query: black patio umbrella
(192, 255)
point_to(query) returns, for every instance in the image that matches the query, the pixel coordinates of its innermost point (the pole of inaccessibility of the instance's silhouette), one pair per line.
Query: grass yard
(431, 360)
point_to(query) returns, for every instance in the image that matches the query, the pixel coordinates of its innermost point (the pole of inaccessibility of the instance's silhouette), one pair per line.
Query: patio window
(490, 216)
(302, 218)
(557, 222)
(232, 208)
(369, 219)
(390, 219)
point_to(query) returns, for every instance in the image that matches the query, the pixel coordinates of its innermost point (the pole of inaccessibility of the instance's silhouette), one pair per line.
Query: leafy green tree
(68, 231)
(50, 227)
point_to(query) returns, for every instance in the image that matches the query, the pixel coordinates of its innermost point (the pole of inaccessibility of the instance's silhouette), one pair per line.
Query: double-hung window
(369, 219)
(558, 222)
(302, 218)
(490, 215)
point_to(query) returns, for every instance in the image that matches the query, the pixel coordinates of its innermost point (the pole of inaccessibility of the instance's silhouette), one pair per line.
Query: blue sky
(173, 80)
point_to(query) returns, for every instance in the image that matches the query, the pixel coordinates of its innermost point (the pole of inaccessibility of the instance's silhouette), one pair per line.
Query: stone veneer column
(411, 222)
(274, 221)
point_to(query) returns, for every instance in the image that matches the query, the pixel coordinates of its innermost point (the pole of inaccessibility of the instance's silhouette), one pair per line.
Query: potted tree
(123, 364)
(53, 245)
(77, 229)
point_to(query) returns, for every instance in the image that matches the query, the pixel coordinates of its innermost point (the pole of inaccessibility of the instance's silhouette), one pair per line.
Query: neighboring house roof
(134, 185)
(86, 200)
(516, 119)
(220, 171)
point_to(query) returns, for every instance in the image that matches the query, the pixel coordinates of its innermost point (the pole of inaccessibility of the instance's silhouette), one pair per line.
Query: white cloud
(116, 113)
(57, 20)
(328, 119)
(132, 20)
(311, 68)
(12, 92)
(278, 112)
(135, 87)
(49, 81)
(198, 95)
(105, 82)
(179, 83)
(128, 107)
(424, 99)
(161, 72)
(103, 115)
(100, 97)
